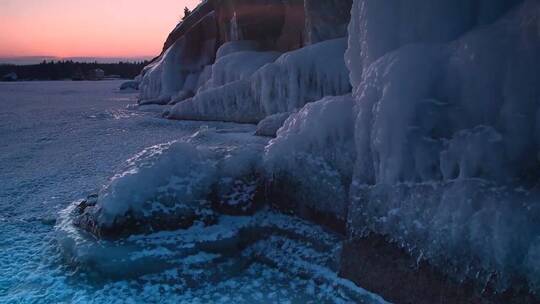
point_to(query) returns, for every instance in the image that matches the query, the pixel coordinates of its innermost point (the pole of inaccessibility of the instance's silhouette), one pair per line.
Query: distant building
(10, 77)
(97, 74)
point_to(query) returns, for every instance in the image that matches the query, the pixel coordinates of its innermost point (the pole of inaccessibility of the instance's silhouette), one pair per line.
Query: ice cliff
(447, 133)
(436, 149)
(244, 60)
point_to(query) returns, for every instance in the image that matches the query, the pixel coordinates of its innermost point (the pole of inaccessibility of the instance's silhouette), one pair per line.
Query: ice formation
(236, 61)
(295, 78)
(310, 160)
(160, 79)
(302, 76)
(447, 133)
(177, 70)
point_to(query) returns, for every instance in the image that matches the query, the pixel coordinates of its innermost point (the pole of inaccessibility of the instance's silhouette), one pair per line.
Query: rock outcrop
(185, 64)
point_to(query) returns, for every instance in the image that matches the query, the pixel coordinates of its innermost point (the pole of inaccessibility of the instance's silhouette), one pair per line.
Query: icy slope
(447, 134)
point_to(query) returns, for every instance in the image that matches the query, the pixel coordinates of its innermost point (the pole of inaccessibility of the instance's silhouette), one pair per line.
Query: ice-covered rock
(231, 102)
(447, 133)
(235, 64)
(302, 76)
(173, 185)
(182, 62)
(248, 34)
(231, 47)
(379, 27)
(309, 162)
(161, 79)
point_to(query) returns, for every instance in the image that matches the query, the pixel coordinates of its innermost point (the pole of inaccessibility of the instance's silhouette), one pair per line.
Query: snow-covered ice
(79, 135)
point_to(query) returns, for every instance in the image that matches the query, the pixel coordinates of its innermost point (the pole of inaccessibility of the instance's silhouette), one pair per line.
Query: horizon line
(29, 60)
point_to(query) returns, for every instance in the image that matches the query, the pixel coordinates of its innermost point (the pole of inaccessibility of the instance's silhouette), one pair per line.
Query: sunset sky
(87, 28)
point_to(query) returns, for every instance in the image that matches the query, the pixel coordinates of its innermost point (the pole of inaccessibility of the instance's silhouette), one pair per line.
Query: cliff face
(270, 25)
(281, 25)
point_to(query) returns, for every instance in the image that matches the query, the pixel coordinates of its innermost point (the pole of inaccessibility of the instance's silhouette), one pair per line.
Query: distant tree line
(68, 69)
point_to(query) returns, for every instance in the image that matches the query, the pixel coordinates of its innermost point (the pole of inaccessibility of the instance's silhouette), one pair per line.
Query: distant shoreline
(68, 69)
(67, 79)
(33, 60)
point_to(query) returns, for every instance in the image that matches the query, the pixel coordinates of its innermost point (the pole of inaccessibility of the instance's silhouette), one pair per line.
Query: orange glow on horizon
(87, 28)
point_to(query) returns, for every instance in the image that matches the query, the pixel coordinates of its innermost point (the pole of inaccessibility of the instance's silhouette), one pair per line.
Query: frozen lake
(61, 141)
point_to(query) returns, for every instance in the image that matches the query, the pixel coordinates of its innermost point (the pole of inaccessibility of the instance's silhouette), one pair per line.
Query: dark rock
(275, 24)
(90, 201)
(86, 215)
(285, 196)
(326, 19)
(280, 25)
(383, 267)
(202, 10)
(243, 197)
